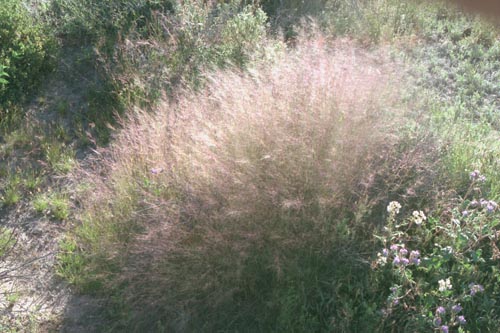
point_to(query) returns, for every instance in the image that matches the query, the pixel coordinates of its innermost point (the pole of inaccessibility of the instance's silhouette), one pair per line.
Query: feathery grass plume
(209, 205)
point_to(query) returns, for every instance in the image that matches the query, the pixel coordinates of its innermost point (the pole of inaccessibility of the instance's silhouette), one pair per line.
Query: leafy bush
(181, 46)
(103, 22)
(184, 37)
(25, 55)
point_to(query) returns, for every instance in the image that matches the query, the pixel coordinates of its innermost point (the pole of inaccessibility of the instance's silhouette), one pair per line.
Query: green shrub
(26, 50)
(182, 45)
(103, 22)
(287, 14)
(366, 20)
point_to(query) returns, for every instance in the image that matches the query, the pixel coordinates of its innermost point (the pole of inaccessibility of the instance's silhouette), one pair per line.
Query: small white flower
(448, 249)
(381, 259)
(445, 284)
(419, 217)
(393, 207)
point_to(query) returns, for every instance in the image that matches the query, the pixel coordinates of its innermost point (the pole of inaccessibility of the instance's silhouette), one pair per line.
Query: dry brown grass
(269, 135)
(264, 162)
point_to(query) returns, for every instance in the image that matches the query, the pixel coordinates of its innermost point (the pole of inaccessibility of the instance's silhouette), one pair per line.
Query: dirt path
(32, 297)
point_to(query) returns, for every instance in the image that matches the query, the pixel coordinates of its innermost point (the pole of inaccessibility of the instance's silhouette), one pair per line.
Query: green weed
(10, 196)
(7, 240)
(12, 298)
(55, 205)
(10, 192)
(32, 180)
(59, 157)
(41, 203)
(437, 266)
(15, 140)
(62, 107)
(59, 207)
(74, 267)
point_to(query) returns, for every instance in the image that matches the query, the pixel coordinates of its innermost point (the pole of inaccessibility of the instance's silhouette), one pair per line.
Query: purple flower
(385, 252)
(491, 206)
(474, 203)
(405, 261)
(456, 308)
(396, 261)
(483, 202)
(403, 251)
(395, 301)
(415, 261)
(444, 329)
(156, 171)
(394, 289)
(394, 247)
(440, 310)
(465, 213)
(461, 320)
(474, 174)
(437, 321)
(475, 288)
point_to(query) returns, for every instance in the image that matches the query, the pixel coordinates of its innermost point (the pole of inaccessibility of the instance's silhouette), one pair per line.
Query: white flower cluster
(393, 207)
(445, 284)
(381, 259)
(419, 217)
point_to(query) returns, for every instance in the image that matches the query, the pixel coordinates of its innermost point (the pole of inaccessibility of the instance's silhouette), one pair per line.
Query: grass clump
(10, 190)
(41, 203)
(55, 205)
(7, 241)
(11, 196)
(220, 210)
(60, 158)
